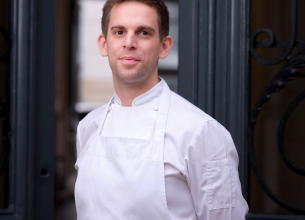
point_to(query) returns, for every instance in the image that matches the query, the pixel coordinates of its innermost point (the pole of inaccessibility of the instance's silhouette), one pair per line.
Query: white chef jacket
(200, 159)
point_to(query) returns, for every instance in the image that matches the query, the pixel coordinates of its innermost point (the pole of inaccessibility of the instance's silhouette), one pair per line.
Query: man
(149, 154)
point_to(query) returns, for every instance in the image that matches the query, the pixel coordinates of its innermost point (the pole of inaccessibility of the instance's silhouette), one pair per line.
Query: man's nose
(130, 41)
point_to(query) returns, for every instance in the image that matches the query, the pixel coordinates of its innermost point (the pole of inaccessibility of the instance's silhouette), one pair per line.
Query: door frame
(32, 118)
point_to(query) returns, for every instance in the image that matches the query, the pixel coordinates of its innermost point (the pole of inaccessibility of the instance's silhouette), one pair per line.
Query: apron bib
(123, 178)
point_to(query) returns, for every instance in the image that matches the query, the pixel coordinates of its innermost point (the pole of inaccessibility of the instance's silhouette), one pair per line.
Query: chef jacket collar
(152, 94)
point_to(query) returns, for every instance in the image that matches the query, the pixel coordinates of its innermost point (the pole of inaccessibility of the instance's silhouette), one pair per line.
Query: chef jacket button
(156, 108)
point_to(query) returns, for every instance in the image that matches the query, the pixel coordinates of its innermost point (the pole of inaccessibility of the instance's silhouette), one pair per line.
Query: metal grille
(292, 70)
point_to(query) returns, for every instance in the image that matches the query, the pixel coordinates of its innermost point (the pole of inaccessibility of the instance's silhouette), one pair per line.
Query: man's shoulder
(93, 116)
(187, 111)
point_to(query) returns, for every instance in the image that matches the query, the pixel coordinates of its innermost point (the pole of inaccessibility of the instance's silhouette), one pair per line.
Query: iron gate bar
(285, 43)
(271, 41)
(280, 135)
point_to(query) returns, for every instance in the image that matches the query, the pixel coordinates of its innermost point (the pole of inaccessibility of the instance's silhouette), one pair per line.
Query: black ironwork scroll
(4, 104)
(280, 134)
(287, 73)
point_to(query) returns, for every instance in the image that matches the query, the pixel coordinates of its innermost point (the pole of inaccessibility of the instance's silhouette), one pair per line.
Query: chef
(149, 154)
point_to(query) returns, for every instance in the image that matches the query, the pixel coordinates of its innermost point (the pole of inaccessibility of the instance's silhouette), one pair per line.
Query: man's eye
(119, 32)
(144, 33)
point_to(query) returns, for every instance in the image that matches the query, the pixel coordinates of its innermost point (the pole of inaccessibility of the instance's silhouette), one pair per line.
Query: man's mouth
(129, 60)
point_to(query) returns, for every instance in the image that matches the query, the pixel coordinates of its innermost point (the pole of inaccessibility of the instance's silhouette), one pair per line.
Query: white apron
(123, 178)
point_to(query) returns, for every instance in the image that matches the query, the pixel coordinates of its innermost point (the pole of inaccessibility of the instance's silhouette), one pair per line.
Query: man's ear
(166, 47)
(102, 45)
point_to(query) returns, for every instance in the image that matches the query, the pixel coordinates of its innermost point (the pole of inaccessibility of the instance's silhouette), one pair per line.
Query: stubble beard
(133, 76)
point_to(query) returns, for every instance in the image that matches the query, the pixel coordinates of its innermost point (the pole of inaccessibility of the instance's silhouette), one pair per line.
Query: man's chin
(130, 76)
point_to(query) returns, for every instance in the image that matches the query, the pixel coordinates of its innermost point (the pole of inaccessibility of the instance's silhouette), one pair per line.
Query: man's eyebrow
(139, 28)
(118, 27)
(146, 28)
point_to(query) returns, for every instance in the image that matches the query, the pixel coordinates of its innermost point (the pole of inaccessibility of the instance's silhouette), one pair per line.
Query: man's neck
(127, 92)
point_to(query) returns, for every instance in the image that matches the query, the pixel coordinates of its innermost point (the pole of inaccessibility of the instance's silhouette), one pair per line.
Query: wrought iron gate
(292, 62)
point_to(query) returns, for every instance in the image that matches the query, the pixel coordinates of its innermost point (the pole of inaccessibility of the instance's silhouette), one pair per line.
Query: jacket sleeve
(212, 174)
(78, 145)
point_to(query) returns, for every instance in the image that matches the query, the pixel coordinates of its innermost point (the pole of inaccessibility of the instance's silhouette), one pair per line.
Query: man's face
(133, 45)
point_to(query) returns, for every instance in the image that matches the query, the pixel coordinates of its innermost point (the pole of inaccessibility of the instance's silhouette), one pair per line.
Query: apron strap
(162, 112)
(102, 117)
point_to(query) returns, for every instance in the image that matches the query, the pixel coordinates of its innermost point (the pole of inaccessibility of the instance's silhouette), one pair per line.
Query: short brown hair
(163, 14)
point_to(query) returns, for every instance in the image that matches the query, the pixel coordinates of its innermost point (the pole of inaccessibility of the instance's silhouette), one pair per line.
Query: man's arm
(212, 176)
(78, 145)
